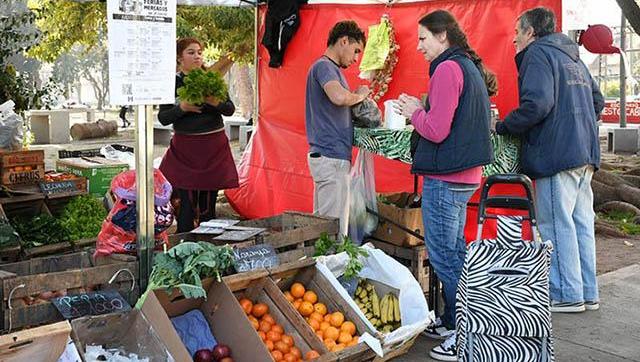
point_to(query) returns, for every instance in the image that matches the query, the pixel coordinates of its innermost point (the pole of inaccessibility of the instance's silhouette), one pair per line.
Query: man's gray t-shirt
(329, 127)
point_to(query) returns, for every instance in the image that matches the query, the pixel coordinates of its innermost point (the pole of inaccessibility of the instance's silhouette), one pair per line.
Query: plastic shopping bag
(363, 196)
(118, 233)
(10, 127)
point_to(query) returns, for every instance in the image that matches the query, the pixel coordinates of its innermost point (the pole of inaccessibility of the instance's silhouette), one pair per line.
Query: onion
(46, 295)
(221, 351)
(203, 355)
(226, 359)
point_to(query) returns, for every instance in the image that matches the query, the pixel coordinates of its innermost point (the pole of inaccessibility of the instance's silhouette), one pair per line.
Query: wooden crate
(71, 272)
(414, 258)
(41, 344)
(22, 167)
(293, 234)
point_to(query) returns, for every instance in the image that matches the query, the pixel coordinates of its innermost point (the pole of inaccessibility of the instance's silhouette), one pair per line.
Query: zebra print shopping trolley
(502, 308)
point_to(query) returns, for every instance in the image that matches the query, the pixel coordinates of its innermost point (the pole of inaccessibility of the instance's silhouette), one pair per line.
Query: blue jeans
(565, 216)
(444, 212)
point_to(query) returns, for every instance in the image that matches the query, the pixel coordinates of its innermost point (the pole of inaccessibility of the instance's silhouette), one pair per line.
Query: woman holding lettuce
(198, 162)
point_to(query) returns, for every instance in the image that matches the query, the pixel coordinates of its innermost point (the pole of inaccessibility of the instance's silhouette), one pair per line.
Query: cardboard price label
(91, 303)
(255, 257)
(57, 187)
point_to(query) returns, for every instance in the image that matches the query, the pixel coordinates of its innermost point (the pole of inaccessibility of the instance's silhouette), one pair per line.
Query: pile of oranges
(280, 345)
(331, 328)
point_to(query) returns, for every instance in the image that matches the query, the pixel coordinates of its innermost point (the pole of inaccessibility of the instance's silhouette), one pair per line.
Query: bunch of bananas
(383, 314)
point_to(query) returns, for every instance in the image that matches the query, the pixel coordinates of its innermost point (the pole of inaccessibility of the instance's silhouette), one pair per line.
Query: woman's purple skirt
(200, 162)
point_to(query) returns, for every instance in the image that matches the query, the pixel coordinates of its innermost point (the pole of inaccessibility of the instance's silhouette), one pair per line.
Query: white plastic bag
(10, 127)
(362, 196)
(382, 268)
(110, 153)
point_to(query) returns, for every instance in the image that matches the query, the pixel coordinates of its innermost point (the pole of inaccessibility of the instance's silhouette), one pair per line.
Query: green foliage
(199, 84)
(228, 29)
(82, 217)
(622, 220)
(8, 235)
(17, 31)
(325, 245)
(185, 265)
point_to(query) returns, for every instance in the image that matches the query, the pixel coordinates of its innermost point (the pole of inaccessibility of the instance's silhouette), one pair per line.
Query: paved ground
(611, 334)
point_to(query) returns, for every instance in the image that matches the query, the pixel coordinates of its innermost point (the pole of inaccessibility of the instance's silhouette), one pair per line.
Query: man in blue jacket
(560, 104)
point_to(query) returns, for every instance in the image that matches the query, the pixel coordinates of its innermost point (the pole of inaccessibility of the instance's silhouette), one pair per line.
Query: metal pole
(256, 64)
(144, 191)
(623, 74)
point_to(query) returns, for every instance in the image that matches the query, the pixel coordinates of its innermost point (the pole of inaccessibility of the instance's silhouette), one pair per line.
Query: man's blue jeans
(444, 212)
(565, 214)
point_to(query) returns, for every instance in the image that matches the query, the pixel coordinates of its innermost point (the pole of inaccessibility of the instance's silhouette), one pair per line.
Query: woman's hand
(188, 107)
(407, 105)
(213, 101)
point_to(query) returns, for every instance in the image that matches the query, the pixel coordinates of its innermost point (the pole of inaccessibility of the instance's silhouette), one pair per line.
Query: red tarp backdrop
(274, 176)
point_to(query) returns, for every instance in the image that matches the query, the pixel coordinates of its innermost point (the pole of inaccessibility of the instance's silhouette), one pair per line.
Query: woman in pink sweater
(453, 146)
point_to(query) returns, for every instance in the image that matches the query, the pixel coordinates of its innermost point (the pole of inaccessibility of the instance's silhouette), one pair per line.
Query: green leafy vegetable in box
(39, 230)
(200, 84)
(8, 235)
(82, 217)
(185, 265)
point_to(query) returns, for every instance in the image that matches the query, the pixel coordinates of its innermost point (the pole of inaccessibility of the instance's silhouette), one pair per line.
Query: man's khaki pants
(331, 193)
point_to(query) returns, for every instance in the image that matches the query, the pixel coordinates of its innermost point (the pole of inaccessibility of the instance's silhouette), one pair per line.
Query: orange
(310, 297)
(296, 352)
(329, 343)
(246, 305)
(274, 336)
(320, 308)
(344, 337)
(353, 342)
(254, 322)
(331, 333)
(264, 326)
(317, 316)
(288, 340)
(320, 334)
(314, 324)
(290, 358)
(277, 328)
(277, 356)
(259, 309)
(268, 318)
(327, 317)
(297, 290)
(263, 335)
(306, 309)
(269, 345)
(289, 297)
(324, 326)
(282, 347)
(311, 355)
(337, 319)
(348, 327)
(296, 303)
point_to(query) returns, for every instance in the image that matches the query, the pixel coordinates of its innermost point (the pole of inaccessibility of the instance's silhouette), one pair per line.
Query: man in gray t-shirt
(328, 121)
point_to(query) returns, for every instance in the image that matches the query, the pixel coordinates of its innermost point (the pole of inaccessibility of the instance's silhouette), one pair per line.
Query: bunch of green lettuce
(200, 84)
(82, 217)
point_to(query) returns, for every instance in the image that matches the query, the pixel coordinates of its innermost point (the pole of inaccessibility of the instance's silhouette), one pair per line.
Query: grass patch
(623, 221)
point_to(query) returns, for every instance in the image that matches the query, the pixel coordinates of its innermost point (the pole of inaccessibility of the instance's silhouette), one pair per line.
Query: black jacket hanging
(282, 21)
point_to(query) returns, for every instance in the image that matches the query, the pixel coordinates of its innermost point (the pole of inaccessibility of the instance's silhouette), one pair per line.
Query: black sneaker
(567, 307)
(591, 305)
(446, 351)
(437, 330)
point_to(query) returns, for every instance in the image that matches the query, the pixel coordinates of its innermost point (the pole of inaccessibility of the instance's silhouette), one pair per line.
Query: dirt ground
(612, 253)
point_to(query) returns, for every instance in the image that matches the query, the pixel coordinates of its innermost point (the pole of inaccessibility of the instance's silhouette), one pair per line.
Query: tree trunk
(98, 129)
(609, 178)
(602, 193)
(245, 91)
(631, 179)
(618, 206)
(631, 11)
(629, 194)
(603, 228)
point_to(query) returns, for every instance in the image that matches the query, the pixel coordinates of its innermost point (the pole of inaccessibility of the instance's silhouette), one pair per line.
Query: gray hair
(542, 20)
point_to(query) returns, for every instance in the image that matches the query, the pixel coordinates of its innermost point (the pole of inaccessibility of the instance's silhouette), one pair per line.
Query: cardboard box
(229, 325)
(22, 167)
(42, 344)
(411, 218)
(131, 332)
(98, 171)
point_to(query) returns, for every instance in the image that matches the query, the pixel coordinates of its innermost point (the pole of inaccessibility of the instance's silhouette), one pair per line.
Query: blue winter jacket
(560, 104)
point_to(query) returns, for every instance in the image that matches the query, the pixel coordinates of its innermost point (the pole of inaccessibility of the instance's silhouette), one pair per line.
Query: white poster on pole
(142, 51)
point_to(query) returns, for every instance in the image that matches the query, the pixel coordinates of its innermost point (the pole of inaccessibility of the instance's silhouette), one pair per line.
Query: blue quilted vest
(469, 144)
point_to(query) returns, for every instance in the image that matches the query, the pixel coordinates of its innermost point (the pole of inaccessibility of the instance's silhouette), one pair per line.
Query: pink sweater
(445, 89)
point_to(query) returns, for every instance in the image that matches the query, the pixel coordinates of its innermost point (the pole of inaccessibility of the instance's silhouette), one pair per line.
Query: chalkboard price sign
(255, 257)
(57, 187)
(91, 303)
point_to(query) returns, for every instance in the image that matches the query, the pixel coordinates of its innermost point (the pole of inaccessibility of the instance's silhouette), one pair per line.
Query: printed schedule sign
(142, 51)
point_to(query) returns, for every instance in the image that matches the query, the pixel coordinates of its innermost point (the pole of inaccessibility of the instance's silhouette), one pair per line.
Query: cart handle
(507, 201)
